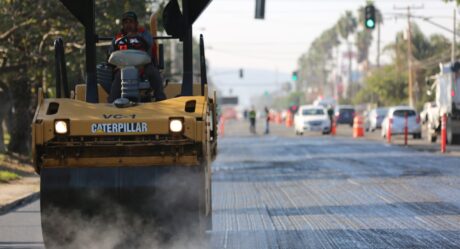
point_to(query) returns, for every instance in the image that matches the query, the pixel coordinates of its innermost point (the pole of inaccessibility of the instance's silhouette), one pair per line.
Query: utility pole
(350, 77)
(378, 39)
(454, 39)
(336, 82)
(409, 54)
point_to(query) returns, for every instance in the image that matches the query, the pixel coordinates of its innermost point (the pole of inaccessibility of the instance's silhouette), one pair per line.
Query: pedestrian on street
(252, 121)
(267, 120)
(330, 113)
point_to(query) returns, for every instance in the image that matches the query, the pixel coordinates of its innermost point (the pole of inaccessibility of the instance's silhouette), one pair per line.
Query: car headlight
(61, 127)
(176, 125)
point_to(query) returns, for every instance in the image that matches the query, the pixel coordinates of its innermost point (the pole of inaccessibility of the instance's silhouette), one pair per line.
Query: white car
(312, 118)
(398, 114)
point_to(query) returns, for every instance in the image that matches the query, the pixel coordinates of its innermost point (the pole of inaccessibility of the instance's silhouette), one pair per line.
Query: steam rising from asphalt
(114, 227)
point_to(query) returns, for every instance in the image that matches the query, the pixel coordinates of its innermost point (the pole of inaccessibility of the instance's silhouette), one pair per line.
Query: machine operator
(133, 36)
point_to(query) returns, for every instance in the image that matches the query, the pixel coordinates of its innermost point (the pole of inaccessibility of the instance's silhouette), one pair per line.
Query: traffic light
(369, 16)
(241, 73)
(293, 109)
(294, 76)
(260, 9)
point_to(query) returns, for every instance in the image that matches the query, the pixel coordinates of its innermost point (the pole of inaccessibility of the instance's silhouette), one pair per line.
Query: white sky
(234, 39)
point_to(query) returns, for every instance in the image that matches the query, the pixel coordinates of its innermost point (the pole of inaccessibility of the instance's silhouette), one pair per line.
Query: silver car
(376, 117)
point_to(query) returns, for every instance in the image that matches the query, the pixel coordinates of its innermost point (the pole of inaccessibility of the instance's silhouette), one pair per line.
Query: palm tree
(347, 25)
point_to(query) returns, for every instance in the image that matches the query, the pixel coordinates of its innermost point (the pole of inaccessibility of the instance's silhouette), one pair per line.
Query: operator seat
(133, 88)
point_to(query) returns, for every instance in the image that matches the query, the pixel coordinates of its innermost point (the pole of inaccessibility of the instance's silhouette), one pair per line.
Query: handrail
(204, 77)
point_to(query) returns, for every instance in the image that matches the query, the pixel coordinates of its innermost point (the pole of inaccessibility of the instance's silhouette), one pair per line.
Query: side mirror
(161, 57)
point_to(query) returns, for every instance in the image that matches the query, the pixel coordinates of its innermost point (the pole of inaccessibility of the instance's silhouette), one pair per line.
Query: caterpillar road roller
(137, 166)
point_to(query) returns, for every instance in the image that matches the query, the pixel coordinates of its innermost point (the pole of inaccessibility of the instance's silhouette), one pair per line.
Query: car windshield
(310, 112)
(402, 113)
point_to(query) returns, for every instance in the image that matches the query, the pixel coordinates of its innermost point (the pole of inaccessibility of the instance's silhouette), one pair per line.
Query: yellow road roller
(139, 166)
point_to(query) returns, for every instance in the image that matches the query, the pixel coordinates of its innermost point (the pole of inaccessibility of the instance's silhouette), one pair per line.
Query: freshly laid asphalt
(283, 191)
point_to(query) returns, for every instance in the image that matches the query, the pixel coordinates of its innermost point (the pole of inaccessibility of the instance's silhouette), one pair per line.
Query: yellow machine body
(128, 157)
(123, 136)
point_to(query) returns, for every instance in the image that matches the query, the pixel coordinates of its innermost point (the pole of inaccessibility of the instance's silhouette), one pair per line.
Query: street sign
(228, 100)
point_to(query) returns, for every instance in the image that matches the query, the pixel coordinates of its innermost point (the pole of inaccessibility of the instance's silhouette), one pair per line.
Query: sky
(268, 50)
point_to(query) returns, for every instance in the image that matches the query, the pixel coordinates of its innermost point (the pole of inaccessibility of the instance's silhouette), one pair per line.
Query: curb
(19, 202)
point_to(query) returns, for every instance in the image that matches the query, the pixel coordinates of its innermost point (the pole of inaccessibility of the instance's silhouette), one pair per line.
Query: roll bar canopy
(84, 11)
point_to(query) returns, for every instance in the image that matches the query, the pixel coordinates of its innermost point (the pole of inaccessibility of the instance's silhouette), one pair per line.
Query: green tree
(27, 31)
(427, 53)
(347, 25)
(457, 1)
(385, 86)
(313, 64)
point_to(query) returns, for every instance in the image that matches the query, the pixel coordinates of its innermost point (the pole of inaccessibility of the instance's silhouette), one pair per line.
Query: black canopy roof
(83, 10)
(179, 26)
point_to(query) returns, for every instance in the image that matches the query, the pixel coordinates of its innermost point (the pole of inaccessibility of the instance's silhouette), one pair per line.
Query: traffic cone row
(278, 118)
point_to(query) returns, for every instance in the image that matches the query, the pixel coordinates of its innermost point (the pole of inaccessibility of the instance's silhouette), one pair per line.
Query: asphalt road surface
(282, 191)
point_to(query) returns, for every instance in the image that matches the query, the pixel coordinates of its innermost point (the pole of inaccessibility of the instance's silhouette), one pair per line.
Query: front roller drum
(124, 207)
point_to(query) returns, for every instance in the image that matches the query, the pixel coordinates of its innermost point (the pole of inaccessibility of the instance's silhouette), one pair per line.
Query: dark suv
(344, 114)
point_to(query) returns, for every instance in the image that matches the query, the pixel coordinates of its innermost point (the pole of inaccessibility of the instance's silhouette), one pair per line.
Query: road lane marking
(353, 182)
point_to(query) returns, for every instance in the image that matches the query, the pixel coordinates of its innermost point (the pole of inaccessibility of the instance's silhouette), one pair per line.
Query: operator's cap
(129, 14)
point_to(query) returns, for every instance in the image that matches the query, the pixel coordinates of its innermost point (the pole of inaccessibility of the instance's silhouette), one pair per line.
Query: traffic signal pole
(378, 44)
(454, 38)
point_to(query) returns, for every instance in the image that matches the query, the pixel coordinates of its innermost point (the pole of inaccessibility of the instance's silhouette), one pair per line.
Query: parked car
(398, 115)
(312, 118)
(375, 118)
(344, 114)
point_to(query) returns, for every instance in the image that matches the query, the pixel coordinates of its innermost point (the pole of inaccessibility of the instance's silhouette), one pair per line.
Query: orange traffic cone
(289, 120)
(278, 118)
(358, 129)
(221, 125)
(333, 127)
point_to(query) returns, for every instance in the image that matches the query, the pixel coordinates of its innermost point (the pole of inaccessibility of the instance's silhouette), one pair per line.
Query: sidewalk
(17, 192)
